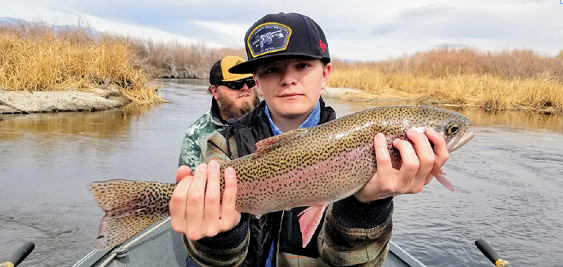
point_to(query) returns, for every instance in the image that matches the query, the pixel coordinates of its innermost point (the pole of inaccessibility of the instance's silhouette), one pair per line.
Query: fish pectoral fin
(309, 220)
(439, 174)
(274, 142)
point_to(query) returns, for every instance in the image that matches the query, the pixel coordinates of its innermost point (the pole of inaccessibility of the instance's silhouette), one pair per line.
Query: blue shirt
(311, 121)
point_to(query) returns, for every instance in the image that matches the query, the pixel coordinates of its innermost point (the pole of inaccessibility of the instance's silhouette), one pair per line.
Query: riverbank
(93, 99)
(103, 98)
(397, 98)
(358, 95)
(42, 70)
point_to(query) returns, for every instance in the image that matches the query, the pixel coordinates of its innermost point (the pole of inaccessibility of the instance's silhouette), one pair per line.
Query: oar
(19, 255)
(490, 253)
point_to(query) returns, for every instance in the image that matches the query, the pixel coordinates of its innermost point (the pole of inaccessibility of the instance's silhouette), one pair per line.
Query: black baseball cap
(282, 35)
(220, 70)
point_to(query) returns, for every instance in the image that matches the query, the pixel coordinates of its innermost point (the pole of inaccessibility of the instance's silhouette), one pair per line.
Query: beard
(230, 108)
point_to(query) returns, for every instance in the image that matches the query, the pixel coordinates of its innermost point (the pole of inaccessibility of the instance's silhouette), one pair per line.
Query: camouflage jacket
(351, 232)
(194, 144)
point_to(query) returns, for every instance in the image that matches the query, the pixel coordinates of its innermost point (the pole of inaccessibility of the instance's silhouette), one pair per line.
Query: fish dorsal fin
(274, 142)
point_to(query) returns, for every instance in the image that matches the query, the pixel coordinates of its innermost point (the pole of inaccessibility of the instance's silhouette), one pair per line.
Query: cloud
(409, 17)
(441, 21)
(201, 20)
(387, 27)
(530, 1)
(359, 29)
(427, 12)
(231, 34)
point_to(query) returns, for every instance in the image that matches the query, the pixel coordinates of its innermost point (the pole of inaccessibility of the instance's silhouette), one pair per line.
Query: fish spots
(337, 154)
(130, 206)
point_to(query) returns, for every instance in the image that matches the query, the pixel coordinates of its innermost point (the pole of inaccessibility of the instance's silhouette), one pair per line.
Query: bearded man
(233, 96)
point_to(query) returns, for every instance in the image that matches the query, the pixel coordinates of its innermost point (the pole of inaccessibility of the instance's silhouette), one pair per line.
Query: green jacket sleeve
(228, 248)
(190, 153)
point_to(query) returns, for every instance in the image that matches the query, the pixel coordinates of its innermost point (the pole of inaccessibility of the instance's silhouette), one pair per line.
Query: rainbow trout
(304, 167)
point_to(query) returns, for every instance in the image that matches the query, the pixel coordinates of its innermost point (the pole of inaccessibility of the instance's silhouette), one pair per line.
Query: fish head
(455, 141)
(455, 129)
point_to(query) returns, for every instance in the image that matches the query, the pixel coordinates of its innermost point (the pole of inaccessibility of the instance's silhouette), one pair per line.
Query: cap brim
(238, 77)
(251, 65)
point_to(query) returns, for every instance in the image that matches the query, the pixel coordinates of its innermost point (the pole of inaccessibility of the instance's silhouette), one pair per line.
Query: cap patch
(268, 38)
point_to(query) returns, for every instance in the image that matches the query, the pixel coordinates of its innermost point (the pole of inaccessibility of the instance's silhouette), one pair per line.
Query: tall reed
(36, 57)
(33, 57)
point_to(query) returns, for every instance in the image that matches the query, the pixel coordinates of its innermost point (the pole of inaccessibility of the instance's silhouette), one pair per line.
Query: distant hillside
(9, 21)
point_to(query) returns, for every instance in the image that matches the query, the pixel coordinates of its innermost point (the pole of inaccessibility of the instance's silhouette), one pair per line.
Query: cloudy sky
(356, 29)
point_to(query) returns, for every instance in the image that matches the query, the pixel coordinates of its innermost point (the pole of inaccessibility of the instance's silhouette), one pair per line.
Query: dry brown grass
(178, 60)
(515, 79)
(34, 58)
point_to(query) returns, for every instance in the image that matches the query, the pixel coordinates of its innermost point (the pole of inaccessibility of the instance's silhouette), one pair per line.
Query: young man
(233, 96)
(289, 57)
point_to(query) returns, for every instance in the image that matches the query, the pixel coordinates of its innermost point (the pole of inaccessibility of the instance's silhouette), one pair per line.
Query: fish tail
(130, 207)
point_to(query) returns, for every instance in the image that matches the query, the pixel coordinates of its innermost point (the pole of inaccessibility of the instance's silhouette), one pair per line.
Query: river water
(508, 181)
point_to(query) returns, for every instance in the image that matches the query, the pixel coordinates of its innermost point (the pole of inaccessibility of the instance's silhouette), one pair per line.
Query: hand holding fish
(196, 206)
(419, 161)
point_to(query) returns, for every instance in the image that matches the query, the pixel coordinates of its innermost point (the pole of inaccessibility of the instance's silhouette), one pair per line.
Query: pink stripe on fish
(332, 183)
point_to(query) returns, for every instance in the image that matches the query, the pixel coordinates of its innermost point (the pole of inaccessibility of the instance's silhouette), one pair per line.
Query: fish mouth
(460, 140)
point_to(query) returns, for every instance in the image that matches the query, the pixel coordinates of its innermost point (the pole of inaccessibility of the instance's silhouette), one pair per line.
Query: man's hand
(196, 207)
(419, 161)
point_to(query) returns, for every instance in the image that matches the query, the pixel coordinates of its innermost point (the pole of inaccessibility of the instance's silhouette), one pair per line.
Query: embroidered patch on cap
(268, 38)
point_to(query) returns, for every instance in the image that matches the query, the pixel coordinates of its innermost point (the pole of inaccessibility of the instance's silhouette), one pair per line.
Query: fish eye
(453, 128)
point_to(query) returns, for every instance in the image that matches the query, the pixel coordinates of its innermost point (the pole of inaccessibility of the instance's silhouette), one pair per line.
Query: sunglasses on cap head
(237, 85)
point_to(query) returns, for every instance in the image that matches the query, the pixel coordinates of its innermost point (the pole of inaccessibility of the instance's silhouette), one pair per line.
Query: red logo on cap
(323, 46)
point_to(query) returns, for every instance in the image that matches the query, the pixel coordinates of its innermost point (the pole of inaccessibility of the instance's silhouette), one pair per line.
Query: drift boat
(159, 245)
